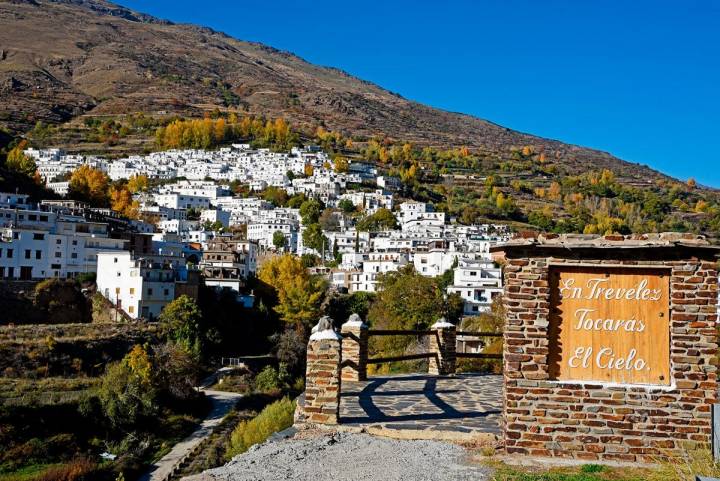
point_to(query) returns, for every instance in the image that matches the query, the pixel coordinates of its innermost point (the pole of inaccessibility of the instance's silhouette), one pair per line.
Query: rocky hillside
(60, 59)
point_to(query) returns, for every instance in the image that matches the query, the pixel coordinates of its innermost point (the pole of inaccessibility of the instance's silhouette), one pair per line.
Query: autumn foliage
(299, 294)
(90, 185)
(208, 133)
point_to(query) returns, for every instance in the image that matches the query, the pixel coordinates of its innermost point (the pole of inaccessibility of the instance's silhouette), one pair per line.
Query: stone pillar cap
(325, 334)
(442, 324)
(324, 330)
(354, 321)
(325, 322)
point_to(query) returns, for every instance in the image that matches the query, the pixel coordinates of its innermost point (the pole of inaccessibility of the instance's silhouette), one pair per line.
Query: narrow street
(222, 403)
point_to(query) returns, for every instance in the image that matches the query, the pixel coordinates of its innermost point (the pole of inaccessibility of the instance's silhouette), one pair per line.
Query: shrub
(62, 302)
(270, 379)
(275, 417)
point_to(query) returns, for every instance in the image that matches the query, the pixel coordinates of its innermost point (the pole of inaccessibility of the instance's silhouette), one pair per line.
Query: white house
(140, 287)
(477, 282)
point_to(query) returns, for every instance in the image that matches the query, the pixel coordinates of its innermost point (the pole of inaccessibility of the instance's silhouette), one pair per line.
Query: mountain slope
(63, 58)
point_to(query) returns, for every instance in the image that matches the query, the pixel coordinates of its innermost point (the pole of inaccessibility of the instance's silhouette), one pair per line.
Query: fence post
(354, 349)
(442, 344)
(322, 376)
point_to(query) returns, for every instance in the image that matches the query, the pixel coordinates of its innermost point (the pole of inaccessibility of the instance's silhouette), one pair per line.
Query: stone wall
(589, 420)
(443, 345)
(354, 349)
(322, 379)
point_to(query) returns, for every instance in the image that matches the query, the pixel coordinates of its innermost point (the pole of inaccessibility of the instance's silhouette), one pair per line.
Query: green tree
(127, 392)
(383, 219)
(279, 240)
(392, 310)
(346, 206)
(181, 323)
(314, 238)
(310, 211)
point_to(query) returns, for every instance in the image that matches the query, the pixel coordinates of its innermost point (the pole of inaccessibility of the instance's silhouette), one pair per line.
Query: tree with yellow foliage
(89, 185)
(407, 151)
(19, 162)
(384, 155)
(121, 201)
(299, 294)
(137, 183)
(342, 165)
(554, 193)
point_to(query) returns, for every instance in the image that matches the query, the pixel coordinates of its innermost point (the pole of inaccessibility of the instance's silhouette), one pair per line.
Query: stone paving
(464, 403)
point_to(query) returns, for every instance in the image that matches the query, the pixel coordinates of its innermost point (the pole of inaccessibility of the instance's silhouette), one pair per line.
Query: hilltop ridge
(61, 59)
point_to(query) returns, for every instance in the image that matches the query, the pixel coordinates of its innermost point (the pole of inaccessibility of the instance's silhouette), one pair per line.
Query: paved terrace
(420, 405)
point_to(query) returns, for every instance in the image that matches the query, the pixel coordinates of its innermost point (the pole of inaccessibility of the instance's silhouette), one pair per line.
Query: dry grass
(691, 463)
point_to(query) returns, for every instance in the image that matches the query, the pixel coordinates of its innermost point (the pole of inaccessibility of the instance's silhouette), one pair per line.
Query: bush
(275, 417)
(270, 379)
(62, 302)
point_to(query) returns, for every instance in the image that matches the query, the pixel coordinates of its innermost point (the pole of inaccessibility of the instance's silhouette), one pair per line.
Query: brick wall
(590, 421)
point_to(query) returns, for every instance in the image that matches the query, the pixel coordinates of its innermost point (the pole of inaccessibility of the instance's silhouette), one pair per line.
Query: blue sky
(639, 78)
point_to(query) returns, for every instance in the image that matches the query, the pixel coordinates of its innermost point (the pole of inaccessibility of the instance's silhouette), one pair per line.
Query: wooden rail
(406, 357)
(479, 334)
(389, 332)
(427, 355)
(478, 355)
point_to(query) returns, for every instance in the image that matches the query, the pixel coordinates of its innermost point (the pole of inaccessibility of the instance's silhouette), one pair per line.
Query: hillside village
(195, 229)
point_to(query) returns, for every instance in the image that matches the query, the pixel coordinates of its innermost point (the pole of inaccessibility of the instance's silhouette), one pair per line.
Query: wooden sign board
(610, 325)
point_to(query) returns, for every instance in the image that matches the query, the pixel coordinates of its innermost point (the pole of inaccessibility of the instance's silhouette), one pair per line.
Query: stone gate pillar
(442, 344)
(354, 349)
(609, 345)
(322, 376)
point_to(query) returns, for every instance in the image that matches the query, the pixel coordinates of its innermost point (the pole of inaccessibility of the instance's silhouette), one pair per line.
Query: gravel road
(348, 457)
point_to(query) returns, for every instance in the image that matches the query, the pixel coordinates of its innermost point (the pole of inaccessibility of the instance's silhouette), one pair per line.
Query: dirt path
(222, 403)
(349, 457)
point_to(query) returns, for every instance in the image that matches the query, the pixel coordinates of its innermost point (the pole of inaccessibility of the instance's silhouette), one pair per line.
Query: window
(167, 292)
(43, 218)
(38, 254)
(115, 260)
(0, 253)
(58, 254)
(150, 291)
(2, 272)
(473, 273)
(117, 290)
(9, 254)
(16, 235)
(38, 236)
(58, 241)
(32, 217)
(73, 255)
(132, 291)
(131, 309)
(74, 243)
(27, 253)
